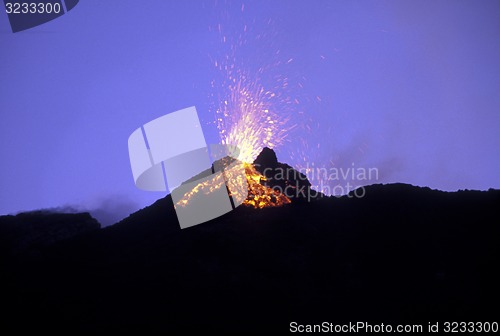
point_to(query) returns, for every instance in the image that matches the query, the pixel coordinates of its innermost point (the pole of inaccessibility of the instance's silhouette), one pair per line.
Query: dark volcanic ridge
(400, 254)
(284, 177)
(29, 232)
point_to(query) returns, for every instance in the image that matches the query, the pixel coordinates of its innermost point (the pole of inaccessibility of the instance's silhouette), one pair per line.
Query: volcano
(401, 254)
(269, 183)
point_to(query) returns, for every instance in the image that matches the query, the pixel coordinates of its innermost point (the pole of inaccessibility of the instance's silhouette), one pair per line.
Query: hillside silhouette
(400, 254)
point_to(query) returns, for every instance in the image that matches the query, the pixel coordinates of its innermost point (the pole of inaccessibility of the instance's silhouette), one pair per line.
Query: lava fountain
(246, 115)
(246, 118)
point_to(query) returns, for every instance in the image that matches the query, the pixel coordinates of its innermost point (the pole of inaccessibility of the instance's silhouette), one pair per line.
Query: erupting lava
(261, 196)
(246, 120)
(257, 195)
(246, 114)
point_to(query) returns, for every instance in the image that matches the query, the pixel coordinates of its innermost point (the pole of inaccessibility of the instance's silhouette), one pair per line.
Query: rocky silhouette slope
(399, 254)
(31, 231)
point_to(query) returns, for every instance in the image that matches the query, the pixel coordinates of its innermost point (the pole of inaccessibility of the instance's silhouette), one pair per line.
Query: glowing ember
(246, 118)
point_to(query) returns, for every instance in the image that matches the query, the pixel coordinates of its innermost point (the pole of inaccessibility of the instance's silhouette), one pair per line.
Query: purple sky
(409, 87)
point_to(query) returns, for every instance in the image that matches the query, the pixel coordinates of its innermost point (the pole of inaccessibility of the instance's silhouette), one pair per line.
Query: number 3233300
(32, 8)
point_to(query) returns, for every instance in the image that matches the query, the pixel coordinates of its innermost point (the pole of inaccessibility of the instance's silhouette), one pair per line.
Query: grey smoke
(113, 209)
(107, 210)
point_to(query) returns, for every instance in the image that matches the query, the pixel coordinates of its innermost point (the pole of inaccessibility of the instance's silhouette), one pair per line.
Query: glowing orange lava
(261, 196)
(255, 194)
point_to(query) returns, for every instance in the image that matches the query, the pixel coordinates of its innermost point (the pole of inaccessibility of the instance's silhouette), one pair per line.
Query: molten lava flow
(206, 187)
(255, 194)
(259, 195)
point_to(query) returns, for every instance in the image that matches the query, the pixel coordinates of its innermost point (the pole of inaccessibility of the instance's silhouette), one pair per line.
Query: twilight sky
(409, 87)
